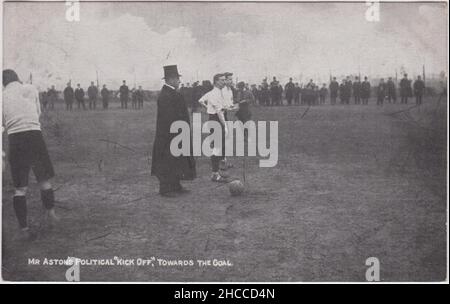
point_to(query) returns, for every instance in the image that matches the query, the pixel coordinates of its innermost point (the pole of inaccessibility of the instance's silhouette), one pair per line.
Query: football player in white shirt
(214, 103)
(27, 148)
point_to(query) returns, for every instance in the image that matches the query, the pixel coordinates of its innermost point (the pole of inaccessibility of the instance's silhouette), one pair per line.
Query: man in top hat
(170, 169)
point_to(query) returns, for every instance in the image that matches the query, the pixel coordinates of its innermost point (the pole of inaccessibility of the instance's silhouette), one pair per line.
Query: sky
(133, 40)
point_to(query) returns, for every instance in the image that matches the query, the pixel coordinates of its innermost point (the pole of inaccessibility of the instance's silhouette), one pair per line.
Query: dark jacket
(357, 89)
(419, 87)
(348, 88)
(365, 89)
(68, 94)
(274, 89)
(124, 91)
(390, 87)
(105, 93)
(140, 95)
(79, 94)
(381, 90)
(342, 91)
(289, 88)
(334, 89)
(171, 107)
(405, 87)
(92, 92)
(52, 95)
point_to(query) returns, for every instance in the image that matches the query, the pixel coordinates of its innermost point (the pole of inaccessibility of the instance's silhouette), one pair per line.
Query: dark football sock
(48, 198)
(20, 208)
(215, 163)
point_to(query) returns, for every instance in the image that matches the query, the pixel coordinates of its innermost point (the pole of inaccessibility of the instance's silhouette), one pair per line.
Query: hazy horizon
(123, 40)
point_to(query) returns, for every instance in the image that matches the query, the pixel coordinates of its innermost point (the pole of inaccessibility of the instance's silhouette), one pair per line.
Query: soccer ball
(236, 187)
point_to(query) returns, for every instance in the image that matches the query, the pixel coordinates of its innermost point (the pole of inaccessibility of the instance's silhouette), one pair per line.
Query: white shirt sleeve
(204, 100)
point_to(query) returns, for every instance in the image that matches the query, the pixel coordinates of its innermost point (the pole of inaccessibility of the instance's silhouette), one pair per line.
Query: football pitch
(352, 182)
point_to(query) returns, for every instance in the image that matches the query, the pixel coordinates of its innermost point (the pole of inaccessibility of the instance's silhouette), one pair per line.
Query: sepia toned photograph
(209, 141)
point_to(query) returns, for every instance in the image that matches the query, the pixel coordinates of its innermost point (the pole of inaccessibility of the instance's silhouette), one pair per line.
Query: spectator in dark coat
(419, 89)
(69, 97)
(381, 92)
(52, 97)
(170, 169)
(334, 90)
(391, 90)
(342, 92)
(92, 94)
(105, 97)
(365, 91)
(405, 89)
(357, 90)
(289, 89)
(124, 92)
(297, 92)
(140, 94)
(323, 93)
(79, 96)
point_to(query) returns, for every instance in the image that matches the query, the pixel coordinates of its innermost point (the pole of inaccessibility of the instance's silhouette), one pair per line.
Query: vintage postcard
(209, 141)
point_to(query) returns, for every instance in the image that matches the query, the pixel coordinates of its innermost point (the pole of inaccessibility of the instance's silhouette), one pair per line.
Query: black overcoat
(171, 107)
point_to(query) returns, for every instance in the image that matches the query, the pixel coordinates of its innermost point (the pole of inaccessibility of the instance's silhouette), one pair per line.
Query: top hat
(170, 71)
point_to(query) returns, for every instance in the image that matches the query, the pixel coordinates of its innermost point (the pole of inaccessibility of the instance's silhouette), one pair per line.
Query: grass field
(352, 182)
